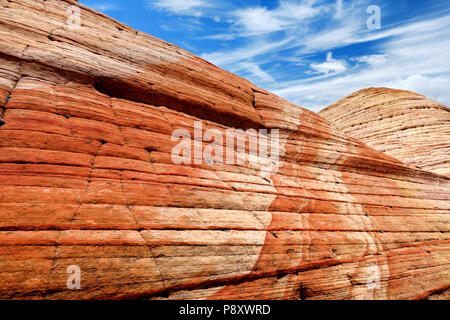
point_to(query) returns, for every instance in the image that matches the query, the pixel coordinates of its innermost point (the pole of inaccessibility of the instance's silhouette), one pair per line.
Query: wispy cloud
(255, 48)
(254, 71)
(182, 7)
(103, 6)
(260, 20)
(339, 9)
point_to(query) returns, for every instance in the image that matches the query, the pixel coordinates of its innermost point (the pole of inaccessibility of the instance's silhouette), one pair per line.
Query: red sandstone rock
(86, 179)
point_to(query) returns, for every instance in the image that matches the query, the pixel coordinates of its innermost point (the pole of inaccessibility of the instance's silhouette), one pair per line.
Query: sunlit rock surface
(87, 180)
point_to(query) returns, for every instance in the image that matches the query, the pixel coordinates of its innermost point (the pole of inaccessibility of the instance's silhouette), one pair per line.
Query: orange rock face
(402, 124)
(88, 181)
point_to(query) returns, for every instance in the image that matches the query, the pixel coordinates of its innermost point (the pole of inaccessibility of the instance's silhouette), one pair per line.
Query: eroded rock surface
(402, 124)
(87, 180)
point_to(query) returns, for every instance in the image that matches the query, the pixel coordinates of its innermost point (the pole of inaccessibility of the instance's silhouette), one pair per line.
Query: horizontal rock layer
(402, 124)
(87, 179)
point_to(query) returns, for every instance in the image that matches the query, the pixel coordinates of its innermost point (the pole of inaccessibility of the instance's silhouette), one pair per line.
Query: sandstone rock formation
(87, 180)
(402, 124)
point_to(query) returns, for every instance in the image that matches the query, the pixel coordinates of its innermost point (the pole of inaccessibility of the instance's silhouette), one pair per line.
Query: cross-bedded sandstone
(86, 179)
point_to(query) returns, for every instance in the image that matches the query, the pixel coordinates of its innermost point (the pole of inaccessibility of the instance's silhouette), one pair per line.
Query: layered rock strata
(87, 180)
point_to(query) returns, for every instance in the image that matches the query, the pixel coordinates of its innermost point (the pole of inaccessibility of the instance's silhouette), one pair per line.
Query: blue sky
(312, 52)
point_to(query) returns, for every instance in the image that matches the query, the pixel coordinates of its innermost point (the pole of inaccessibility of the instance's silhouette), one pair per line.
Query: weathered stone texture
(86, 179)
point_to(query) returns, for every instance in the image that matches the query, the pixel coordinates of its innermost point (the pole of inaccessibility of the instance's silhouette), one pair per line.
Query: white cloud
(375, 60)
(260, 20)
(329, 39)
(182, 7)
(103, 6)
(352, 31)
(256, 48)
(297, 10)
(437, 87)
(331, 65)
